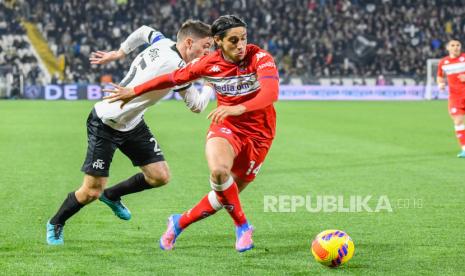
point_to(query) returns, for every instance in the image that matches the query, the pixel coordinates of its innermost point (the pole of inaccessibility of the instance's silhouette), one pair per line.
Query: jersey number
(132, 74)
(252, 170)
(156, 148)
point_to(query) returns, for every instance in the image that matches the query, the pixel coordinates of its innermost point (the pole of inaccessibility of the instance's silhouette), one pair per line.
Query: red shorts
(250, 153)
(457, 106)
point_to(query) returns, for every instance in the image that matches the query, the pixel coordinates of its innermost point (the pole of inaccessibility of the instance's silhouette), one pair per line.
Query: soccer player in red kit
(243, 125)
(453, 66)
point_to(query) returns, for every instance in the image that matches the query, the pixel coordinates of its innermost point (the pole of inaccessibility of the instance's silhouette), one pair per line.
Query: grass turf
(403, 150)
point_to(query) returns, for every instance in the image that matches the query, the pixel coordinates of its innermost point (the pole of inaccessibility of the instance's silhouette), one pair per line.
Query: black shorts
(138, 144)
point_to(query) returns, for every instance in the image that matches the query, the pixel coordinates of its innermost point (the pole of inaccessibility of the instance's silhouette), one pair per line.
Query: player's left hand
(119, 93)
(442, 87)
(101, 57)
(221, 112)
(461, 77)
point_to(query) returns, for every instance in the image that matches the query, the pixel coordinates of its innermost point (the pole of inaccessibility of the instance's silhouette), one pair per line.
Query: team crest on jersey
(215, 68)
(462, 59)
(260, 55)
(446, 62)
(243, 66)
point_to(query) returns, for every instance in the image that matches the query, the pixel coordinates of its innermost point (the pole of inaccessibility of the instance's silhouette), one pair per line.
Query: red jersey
(453, 67)
(253, 82)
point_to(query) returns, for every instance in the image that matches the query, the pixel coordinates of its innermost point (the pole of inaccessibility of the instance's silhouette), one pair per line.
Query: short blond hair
(193, 28)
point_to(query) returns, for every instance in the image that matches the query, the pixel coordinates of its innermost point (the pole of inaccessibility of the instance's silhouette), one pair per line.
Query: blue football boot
(118, 208)
(54, 234)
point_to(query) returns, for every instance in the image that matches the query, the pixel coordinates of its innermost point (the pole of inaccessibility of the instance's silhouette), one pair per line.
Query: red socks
(228, 195)
(207, 206)
(460, 133)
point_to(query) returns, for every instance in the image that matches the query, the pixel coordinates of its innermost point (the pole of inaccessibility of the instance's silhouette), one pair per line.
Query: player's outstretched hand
(101, 57)
(119, 93)
(442, 87)
(221, 112)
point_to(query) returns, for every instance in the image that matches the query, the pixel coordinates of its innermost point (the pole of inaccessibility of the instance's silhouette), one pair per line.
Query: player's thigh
(220, 154)
(249, 161)
(141, 146)
(457, 109)
(100, 148)
(457, 119)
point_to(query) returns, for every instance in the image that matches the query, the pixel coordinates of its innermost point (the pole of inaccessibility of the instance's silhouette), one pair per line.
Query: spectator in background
(317, 32)
(104, 79)
(380, 81)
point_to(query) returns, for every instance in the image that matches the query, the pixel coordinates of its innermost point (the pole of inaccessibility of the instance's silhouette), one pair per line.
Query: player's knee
(93, 194)
(220, 174)
(458, 121)
(86, 195)
(91, 189)
(158, 179)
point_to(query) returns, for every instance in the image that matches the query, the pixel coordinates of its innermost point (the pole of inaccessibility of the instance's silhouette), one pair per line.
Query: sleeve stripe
(268, 77)
(158, 37)
(183, 88)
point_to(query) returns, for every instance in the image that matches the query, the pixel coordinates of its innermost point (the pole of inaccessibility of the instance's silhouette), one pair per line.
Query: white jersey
(160, 58)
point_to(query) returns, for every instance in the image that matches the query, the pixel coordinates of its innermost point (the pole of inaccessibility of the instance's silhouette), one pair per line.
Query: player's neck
(182, 51)
(228, 59)
(454, 56)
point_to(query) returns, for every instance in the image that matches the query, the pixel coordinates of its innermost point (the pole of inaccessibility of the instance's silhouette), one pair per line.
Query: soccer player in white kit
(111, 126)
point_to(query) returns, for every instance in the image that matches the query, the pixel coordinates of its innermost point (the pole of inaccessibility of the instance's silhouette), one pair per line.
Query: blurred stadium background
(315, 42)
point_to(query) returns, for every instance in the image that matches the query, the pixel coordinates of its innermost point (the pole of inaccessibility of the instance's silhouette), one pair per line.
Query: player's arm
(268, 77)
(186, 74)
(195, 100)
(269, 92)
(191, 72)
(441, 83)
(143, 35)
(440, 80)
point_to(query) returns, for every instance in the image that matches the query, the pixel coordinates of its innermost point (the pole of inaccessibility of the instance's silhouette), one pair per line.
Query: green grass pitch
(402, 150)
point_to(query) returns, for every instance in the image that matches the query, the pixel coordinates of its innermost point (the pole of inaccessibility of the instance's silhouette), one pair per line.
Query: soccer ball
(332, 248)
